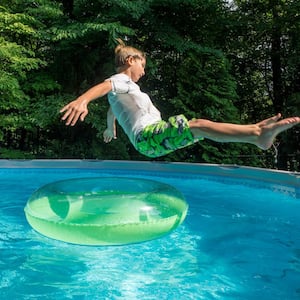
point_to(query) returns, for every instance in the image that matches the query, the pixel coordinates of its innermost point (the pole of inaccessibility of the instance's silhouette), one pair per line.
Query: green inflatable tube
(105, 211)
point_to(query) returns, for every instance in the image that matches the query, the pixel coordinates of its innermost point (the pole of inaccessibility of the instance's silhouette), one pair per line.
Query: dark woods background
(232, 62)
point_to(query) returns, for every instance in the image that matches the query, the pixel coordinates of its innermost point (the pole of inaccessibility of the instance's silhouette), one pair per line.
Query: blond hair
(123, 52)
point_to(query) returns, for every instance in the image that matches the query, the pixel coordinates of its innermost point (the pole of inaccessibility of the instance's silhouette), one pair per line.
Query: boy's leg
(260, 134)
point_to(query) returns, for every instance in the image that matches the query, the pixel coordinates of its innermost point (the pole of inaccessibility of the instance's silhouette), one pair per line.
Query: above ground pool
(239, 240)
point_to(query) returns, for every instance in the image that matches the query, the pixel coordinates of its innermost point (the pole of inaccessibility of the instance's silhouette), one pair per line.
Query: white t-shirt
(132, 108)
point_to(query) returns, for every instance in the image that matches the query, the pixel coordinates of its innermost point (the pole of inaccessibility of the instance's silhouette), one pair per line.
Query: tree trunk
(278, 89)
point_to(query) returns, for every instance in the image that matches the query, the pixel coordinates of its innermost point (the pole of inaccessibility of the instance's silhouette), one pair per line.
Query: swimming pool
(240, 239)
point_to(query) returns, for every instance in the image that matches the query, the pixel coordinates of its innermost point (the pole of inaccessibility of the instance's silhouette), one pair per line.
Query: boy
(142, 122)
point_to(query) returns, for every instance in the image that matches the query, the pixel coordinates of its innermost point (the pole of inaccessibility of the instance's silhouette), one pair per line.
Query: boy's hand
(108, 135)
(73, 111)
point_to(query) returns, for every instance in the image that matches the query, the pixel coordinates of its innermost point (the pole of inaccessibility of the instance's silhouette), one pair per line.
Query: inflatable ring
(105, 211)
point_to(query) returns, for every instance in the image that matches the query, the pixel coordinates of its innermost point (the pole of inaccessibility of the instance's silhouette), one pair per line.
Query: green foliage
(74, 31)
(205, 88)
(265, 59)
(14, 154)
(16, 60)
(204, 59)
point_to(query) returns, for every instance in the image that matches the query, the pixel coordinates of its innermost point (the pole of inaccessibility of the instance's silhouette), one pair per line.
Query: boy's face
(137, 68)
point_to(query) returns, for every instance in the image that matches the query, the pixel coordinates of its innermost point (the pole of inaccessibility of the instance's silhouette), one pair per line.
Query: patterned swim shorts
(164, 137)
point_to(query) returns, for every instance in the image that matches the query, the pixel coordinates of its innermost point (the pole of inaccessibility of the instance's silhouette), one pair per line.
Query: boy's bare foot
(271, 127)
(268, 121)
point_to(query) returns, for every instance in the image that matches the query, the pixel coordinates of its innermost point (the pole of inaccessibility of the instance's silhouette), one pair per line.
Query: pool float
(105, 211)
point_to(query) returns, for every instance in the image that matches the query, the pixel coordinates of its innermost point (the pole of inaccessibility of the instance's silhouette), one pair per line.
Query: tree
(265, 57)
(18, 39)
(204, 59)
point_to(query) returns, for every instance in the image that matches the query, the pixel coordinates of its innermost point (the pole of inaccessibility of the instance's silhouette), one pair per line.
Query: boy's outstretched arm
(78, 108)
(110, 132)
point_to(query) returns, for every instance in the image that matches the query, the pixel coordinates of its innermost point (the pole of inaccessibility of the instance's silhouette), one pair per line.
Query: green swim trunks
(164, 137)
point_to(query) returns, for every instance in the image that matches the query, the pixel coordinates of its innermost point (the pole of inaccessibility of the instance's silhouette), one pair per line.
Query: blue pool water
(240, 240)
